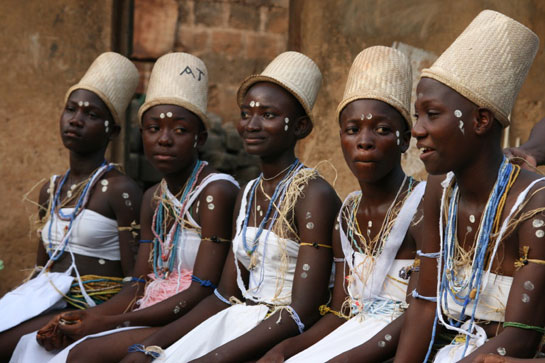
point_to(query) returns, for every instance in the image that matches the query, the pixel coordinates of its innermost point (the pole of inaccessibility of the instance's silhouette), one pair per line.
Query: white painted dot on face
(536, 223)
(528, 285)
(362, 117)
(125, 195)
(540, 233)
(252, 103)
(501, 351)
(387, 337)
(104, 182)
(369, 116)
(306, 267)
(257, 104)
(104, 188)
(107, 129)
(128, 203)
(209, 199)
(457, 113)
(397, 133)
(80, 103)
(525, 298)
(169, 114)
(286, 128)
(286, 120)
(101, 261)
(162, 115)
(211, 206)
(461, 126)
(398, 142)
(308, 215)
(472, 218)
(86, 104)
(106, 123)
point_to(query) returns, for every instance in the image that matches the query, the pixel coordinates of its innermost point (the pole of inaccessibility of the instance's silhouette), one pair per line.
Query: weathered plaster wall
(46, 47)
(334, 32)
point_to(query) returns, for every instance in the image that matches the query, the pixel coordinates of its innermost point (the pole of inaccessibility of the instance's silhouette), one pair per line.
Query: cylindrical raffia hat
(293, 71)
(488, 62)
(113, 78)
(380, 73)
(179, 79)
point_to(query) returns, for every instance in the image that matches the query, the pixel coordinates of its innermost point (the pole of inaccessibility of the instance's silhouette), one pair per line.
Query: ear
(202, 136)
(115, 129)
(405, 140)
(303, 127)
(484, 121)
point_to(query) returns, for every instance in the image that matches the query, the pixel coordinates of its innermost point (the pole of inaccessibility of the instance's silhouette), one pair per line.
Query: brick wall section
(235, 38)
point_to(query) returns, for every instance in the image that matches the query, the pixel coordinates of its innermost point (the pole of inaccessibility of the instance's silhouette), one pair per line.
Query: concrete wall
(46, 47)
(346, 27)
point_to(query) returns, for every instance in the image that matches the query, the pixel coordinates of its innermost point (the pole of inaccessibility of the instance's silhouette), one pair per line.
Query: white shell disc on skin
(536, 223)
(458, 113)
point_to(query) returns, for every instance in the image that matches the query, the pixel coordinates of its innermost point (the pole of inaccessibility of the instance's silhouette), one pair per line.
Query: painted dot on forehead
(80, 103)
(308, 215)
(162, 115)
(252, 103)
(169, 114)
(369, 116)
(257, 104)
(86, 104)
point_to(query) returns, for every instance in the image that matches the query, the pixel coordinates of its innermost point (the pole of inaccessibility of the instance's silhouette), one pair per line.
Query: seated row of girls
(270, 225)
(85, 241)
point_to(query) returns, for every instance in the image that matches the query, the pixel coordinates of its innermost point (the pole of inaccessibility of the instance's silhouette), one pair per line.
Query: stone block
(195, 41)
(264, 46)
(245, 17)
(154, 27)
(277, 21)
(233, 141)
(211, 14)
(227, 42)
(187, 16)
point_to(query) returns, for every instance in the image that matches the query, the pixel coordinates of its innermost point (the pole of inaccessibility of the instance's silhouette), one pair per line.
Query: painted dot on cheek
(125, 195)
(286, 120)
(286, 128)
(458, 113)
(101, 261)
(104, 189)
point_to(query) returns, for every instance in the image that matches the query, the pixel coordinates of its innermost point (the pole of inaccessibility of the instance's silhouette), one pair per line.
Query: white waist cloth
(92, 234)
(377, 314)
(217, 330)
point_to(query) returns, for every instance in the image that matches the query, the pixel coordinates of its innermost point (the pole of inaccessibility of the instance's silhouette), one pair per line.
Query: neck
(176, 182)
(274, 169)
(476, 180)
(81, 166)
(382, 191)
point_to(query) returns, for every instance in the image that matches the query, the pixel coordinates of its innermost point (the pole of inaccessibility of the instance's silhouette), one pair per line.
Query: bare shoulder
(120, 182)
(319, 189)
(148, 197)
(223, 189)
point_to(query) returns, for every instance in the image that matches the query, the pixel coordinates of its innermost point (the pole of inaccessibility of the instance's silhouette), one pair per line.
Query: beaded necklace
(467, 289)
(165, 245)
(280, 189)
(80, 204)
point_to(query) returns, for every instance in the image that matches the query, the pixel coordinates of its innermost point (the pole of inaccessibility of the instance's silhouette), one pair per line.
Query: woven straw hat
(113, 78)
(179, 79)
(380, 73)
(488, 62)
(293, 71)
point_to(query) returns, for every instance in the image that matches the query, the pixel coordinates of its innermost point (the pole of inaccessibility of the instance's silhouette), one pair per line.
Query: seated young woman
(483, 267)
(186, 222)
(374, 248)
(277, 273)
(86, 215)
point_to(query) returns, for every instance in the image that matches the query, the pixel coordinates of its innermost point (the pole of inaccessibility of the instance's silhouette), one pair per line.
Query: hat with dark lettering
(488, 62)
(179, 79)
(293, 71)
(380, 73)
(113, 78)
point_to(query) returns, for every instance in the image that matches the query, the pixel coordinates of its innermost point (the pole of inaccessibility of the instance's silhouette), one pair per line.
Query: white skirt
(215, 331)
(352, 333)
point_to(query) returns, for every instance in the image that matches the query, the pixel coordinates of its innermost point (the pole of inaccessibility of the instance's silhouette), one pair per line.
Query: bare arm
(43, 200)
(533, 150)
(419, 318)
(325, 325)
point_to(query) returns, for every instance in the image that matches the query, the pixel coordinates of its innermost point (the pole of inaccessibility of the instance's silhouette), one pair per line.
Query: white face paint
(80, 103)
(461, 126)
(458, 113)
(369, 116)
(472, 218)
(382, 344)
(362, 117)
(286, 120)
(286, 128)
(125, 195)
(162, 115)
(398, 139)
(252, 103)
(257, 104)
(169, 114)
(304, 275)
(85, 104)
(308, 215)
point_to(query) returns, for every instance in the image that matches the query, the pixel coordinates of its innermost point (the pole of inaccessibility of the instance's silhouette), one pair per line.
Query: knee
(81, 354)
